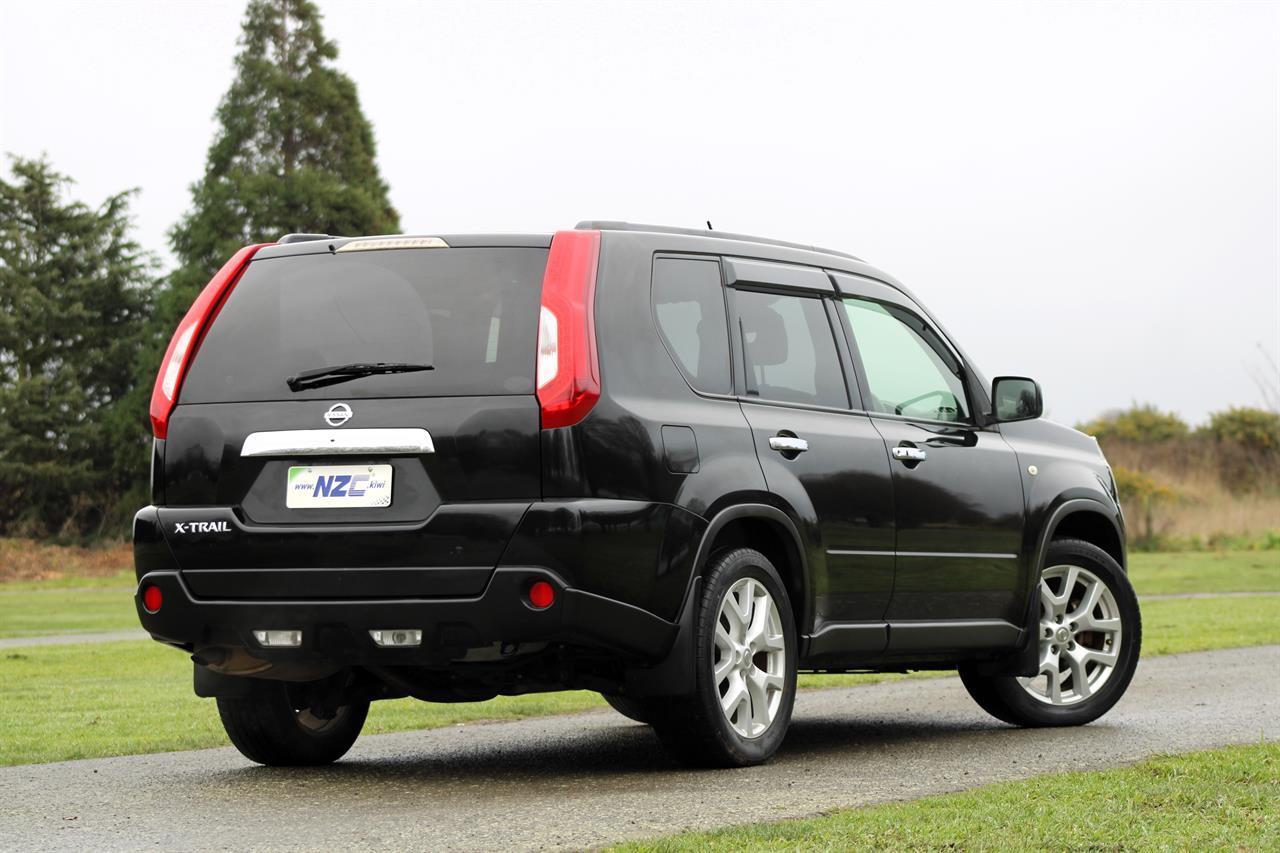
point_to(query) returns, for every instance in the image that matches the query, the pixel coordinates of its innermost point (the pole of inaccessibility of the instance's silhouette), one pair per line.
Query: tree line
(86, 312)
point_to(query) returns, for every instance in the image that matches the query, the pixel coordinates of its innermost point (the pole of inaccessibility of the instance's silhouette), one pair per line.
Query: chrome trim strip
(956, 554)
(840, 553)
(338, 442)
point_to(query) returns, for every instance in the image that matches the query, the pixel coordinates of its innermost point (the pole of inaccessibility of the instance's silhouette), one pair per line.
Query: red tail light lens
(568, 368)
(542, 595)
(152, 598)
(186, 338)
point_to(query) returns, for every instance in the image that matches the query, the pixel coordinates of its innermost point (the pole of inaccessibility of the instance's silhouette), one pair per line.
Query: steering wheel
(941, 395)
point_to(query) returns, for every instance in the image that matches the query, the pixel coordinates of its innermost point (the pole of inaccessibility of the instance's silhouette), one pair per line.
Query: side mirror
(1015, 398)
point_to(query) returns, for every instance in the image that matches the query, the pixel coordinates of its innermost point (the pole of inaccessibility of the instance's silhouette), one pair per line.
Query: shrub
(1143, 424)
(1255, 429)
(1144, 495)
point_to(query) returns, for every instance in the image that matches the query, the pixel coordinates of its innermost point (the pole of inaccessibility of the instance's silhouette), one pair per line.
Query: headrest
(767, 342)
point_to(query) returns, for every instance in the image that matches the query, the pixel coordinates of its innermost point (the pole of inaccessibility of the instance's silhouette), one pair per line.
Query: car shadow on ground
(609, 754)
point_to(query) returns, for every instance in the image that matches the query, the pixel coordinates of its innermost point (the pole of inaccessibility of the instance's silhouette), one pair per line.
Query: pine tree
(293, 152)
(74, 296)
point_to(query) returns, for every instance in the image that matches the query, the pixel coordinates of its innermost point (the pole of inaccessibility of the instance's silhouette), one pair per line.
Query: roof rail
(609, 225)
(303, 238)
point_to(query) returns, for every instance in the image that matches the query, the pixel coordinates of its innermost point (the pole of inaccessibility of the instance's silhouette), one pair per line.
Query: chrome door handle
(788, 444)
(910, 454)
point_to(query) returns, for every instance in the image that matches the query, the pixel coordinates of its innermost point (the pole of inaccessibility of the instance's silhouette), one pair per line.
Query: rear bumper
(336, 632)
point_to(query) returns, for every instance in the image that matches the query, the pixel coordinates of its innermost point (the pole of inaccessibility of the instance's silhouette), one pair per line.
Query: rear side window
(688, 303)
(789, 351)
(470, 313)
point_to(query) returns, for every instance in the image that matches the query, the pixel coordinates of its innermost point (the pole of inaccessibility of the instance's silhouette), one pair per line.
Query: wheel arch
(770, 531)
(1086, 519)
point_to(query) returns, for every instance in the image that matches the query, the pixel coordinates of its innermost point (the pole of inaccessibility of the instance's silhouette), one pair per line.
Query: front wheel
(1089, 637)
(745, 668)
(280, 724)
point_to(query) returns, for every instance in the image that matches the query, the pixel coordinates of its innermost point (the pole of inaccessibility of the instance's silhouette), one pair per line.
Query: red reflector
(542, 595)
(186, 338)
(568, 369)
(152, 598)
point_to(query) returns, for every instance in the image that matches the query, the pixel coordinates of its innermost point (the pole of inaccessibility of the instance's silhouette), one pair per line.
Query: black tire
(271, 728)
(693, 728)
(641, 710)
(1006, 699)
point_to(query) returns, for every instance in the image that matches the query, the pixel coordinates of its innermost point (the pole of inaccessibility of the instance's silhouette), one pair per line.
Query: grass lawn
(63, 610)
(82, 701)
(1209, 571)
(76, 603)
(1217, 800)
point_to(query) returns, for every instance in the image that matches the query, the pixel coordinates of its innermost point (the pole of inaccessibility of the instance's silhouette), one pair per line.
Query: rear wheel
(282, 724)
(1089, 637)
(745, 668)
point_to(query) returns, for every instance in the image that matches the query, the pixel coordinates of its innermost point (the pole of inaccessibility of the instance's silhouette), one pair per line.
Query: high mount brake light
(187, 337)
(568, 368)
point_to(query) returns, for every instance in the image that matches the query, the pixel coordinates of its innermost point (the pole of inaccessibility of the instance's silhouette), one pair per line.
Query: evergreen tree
(74, 296)
(293, 152)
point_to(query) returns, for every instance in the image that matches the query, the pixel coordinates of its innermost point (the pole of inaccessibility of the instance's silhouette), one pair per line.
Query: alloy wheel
(1080, 636)
(750, 657)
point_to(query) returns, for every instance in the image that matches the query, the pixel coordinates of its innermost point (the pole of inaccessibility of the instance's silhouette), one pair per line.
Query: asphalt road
(586, 779)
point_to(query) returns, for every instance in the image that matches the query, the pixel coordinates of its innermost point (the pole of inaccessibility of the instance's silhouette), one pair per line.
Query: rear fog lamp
(392, 637)
(152, 598)
(542, 595)
(278, 639)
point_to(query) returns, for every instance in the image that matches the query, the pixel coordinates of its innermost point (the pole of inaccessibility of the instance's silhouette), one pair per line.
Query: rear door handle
(910, 454)
(788, 444)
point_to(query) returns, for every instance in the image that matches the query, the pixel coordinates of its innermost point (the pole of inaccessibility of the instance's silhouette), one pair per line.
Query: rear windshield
(470, 313)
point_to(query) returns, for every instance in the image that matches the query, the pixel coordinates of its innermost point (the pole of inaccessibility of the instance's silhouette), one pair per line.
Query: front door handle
(788, 444)
(910, 454)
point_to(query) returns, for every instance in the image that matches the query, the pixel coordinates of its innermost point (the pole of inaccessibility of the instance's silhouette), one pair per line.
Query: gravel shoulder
(587, 779)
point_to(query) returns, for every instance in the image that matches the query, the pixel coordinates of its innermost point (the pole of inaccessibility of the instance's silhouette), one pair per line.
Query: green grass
(1217, 800)
(1226, 571)
(1194, 625)
(65, 702)
(74, 604)
(91, 700)
(62, 610)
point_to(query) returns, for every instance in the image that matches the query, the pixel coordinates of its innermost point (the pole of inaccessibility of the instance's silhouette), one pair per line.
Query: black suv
(676, 467)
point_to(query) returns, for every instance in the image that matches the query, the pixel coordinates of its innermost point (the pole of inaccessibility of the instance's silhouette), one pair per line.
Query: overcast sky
(1087, 194)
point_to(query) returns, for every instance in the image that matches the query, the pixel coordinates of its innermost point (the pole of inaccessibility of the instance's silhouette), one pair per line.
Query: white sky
(1087, 194)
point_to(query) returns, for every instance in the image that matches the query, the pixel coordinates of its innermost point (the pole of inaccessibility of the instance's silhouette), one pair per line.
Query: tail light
(186, 338)
(568, 369)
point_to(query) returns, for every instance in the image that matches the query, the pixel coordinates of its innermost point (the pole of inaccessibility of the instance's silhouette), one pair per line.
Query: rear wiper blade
(323, 376)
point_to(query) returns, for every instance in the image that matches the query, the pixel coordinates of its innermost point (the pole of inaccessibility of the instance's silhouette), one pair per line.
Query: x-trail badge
(338, 414)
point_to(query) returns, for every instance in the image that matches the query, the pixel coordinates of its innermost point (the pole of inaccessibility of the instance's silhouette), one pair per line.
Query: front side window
(689, 305)
(788, 350)
(908, 371)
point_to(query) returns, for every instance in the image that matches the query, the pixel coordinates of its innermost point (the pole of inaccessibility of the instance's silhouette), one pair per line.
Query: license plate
(338, 486)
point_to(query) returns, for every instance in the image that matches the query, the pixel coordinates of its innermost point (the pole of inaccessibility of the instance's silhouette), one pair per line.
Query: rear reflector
(542, 595)
(278, 639)
(397, 637)
(568, 368)
(152, 598)
(186, 338)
